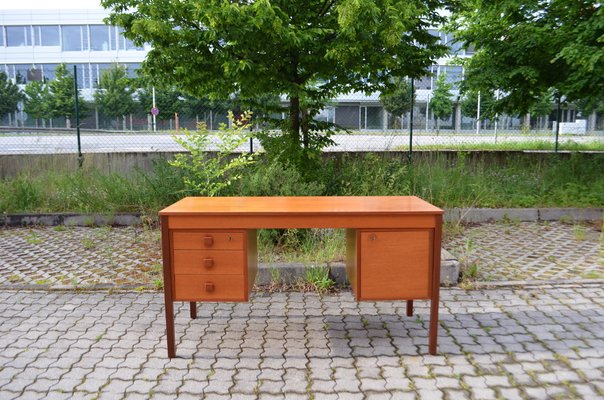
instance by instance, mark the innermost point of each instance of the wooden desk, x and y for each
(209, 247)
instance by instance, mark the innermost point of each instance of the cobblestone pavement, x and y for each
(79, 257)
(529, 251)
(541, 342)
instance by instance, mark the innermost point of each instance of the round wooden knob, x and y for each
(208, 262)
(208, 241)
(209, 287)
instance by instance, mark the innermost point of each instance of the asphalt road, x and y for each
(101, 143)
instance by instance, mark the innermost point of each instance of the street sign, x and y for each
(155, 111)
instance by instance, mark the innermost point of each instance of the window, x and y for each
(48, 71)
(2, 37)
(99, 38)
(46, 35)
(454, 75)
(18, 36)
(72, 38)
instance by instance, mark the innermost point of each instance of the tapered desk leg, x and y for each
(409, 308)
(435, 286)
(193, 310)
(168, 296)
(170, 329)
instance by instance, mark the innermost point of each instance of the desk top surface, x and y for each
(300, 205)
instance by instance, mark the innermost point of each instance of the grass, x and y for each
(458, 180)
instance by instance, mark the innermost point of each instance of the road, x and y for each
(102, 143)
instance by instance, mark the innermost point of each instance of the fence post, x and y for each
(77, 116)
(557, 123)
(411, 119)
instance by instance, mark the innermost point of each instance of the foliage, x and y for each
(371, 175)
(209, 174)
(526, 48)
(399, 100)
(62, 99)
(441, 102)
(307, 51)
(276, 179)
(37, 100)
(469, 105)
(114, 95)
(9, 95)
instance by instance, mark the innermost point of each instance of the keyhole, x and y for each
(373, 237)
(230, 238)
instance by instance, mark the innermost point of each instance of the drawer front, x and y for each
(196, 262)
(208, 240)
(209, 288)
(395, 265)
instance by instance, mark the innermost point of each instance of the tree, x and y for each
(441, 103)
(526, 48)
(306, 50)
(10, 96)
(400, 99)
(37, 101)
(114, 93)
(543, 107)
(469, 105)
(62, 92)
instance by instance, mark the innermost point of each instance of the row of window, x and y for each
(67, 37)
(88, 74)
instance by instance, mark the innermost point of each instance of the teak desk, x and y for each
(209, 247)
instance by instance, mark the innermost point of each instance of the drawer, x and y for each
(208, 240)
(395, 265)
(195, 262)
(210, 288)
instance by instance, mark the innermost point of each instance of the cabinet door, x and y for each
(395, 265)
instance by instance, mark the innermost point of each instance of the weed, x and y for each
(159, 283)
(59, 228)
(140, 288)
(43, 282)
(579, 232)
(593, 275)
(14, 278)
(318, 280)
(33, 238)
(88, 243)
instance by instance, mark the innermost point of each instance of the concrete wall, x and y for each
(125, 163)
(35, 164)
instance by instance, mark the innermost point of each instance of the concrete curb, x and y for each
(479, 215)
(467, 215)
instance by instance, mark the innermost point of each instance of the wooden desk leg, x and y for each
(170, 329)
(193, 310)
(435, 286)
(409, 308)
(168, 297)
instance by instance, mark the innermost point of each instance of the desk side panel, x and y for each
(252, 259)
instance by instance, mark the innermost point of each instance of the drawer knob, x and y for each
(208, 241)
(209, 287)
(208, 262)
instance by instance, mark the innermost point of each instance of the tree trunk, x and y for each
(294, 120)
(437, 126)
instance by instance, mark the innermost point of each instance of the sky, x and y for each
(48, 4)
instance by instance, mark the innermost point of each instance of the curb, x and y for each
(466, 215)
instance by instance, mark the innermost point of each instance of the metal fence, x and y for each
(365, 124)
